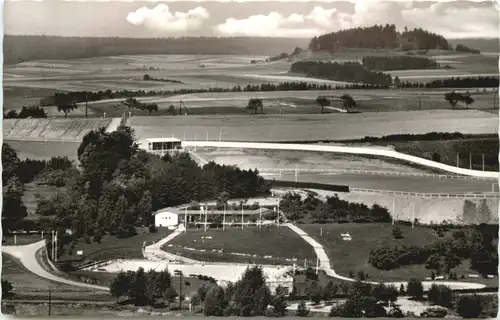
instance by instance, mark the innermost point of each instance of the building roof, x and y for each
(213, 212)
(171, 139)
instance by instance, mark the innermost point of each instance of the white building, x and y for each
(161, 145)
(166, 219)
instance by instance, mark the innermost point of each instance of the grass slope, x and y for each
(353, 255)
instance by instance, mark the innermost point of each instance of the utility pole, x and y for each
(393, 210)
(206, 214)
(55, 245)
(458, 160)
(185, 219)
(220, 138)
(260, 215)
(180, 291)
(224, 218)
(86, 106)
(470, 160)
(317, 265)
(413, 217)
(482, 156)
(278, 211)
(50, 301)
(241, 216)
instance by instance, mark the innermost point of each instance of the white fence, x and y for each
(367, 172)
(342, 149)
(491, 195)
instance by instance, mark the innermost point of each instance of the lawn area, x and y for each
(353, 255)
(112, 247)
(279, 243)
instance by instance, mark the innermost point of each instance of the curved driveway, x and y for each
(27, 255)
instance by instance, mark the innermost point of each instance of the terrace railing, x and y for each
(281, 171)
(488, 195)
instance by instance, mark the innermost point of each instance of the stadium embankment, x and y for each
(433, 210)
(48, 129)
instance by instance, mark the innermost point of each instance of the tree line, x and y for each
(19, 48)
(443, 256)
(132, 103)
(82, 96)
(348, 72)
(250, 296)
(463, 48)
(333, 209)
(26, 112)
(391, 63)
(379, 37)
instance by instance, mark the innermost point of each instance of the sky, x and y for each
(286, 18)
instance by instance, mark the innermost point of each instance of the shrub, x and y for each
(434, 312)
(302, 310)
(469, 306)
(6, 288)
(415, 289)
(396, 233)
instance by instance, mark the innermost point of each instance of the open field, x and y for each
(72, 130)
(274, 128)
(112, 247)
(25, 83)
(283, 159)
(270, 245)
(353, 255)
(395, 183)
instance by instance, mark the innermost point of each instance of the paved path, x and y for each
(27, 255)
(324, 264)
(154, 252)
(114, 124)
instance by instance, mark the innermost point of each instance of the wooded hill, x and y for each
(379, 37)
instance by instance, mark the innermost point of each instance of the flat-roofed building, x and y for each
(161, 145)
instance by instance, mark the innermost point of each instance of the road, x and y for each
(27, 255)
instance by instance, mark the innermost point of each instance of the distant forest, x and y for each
(379, 37)
(25, 48)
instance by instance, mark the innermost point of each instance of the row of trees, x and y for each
(82, 96)
(333, 209)
(389, 63)
(250, 296)
(132, 103)
(463, 48)
(443, 256)
(348, 72)
(453, 98)
(379, 37)
(147, 77)
(26, 112)
(347, 101)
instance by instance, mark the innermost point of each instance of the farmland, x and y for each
(266, 245)
(313, 127)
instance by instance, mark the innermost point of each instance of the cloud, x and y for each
(452, 21)
(161, 19)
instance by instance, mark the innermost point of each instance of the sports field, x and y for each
(265, 245)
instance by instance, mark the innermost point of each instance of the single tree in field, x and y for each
(467, 99)
(348, 102)
(397, 82)
(146, 77)
(255, 104)
(171, 110)
(66, 108)
(322, 102)
(453, 98)
(150, 107)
